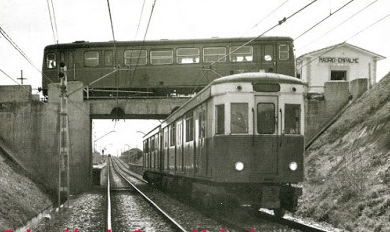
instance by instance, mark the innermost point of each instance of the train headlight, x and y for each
(293, 166)
(239, 166)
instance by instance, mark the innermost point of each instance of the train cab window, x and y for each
(136, 57)
(91, 59)
(214, 54)
(161, 57)
(220, 119)
(284, 50)
(241, 54)
(292, 120)
(108, 59)
(51, 60)
(268, 53)
(266, 118)
(187, 55)
(239, 118)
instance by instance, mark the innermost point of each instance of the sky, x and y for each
(29, 26)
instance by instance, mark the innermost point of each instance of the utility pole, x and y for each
(21, 77)
(63, 172)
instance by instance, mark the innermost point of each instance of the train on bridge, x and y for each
(239, 141)
(163, 67)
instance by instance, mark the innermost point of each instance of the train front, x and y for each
(258, 142)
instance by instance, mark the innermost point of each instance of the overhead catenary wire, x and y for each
(280, 22)
(277, 8)
(13, 79)
(338, 25)
(322, 20)
(51, 21)
(340, 44)
(21, 52)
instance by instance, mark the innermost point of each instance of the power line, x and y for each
(340, 44)
(112, 26)
(17, 48)
(278, 24)
(266, 17)
(346, 20)
(55, 21)
(13, 79)
(140, 17)
(51, 21)
(321, 21)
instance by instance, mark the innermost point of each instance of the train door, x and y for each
(266, 131)
(166, 149)
(200, 156)
(268, 58)
(179, 146)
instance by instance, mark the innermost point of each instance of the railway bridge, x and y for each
(30, 129)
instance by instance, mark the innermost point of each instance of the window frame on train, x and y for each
(284, 54)
(239, 114)
(219, 57)
(220, 119)
(88, 60)
(161, 58)
(292, 119)
(266, 126)
(183, 57)
(239, 51)
(141, 57)
(51, 63)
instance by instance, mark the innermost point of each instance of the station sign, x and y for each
(339, 60)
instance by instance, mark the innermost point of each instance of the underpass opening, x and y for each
(122, 138)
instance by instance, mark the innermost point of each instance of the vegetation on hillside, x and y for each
(348, 167)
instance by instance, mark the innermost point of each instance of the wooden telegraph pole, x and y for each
(63, 173)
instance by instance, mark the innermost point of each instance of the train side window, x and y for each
(62, 57)
(268, 53)
(108, 59)
(292, 119)
(172, 135)
(91, 59)
(161, 57)
(214, 54)
(51, 60)
(187, 55)
(71, 60)
(266, 118)
(179, 133)
(241, 54)
(166, 137)
(239, 118)
(202, 124)
(189, 127)
(220, 119)
(135, 57)
(284, 50)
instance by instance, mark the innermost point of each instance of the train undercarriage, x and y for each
(212, 195)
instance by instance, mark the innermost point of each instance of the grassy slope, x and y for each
(20, 198)
(348, 167)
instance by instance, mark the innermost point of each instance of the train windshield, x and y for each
(292, 120)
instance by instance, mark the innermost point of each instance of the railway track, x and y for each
(247, 220)
(142, 217)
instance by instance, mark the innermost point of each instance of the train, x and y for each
(238, 142)
(163, 67)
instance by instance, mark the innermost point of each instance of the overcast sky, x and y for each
(28, 24)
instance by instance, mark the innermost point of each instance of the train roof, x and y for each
(205, 93)
(87, 44)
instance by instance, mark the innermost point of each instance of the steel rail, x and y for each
(108, 196)
(161, 211)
